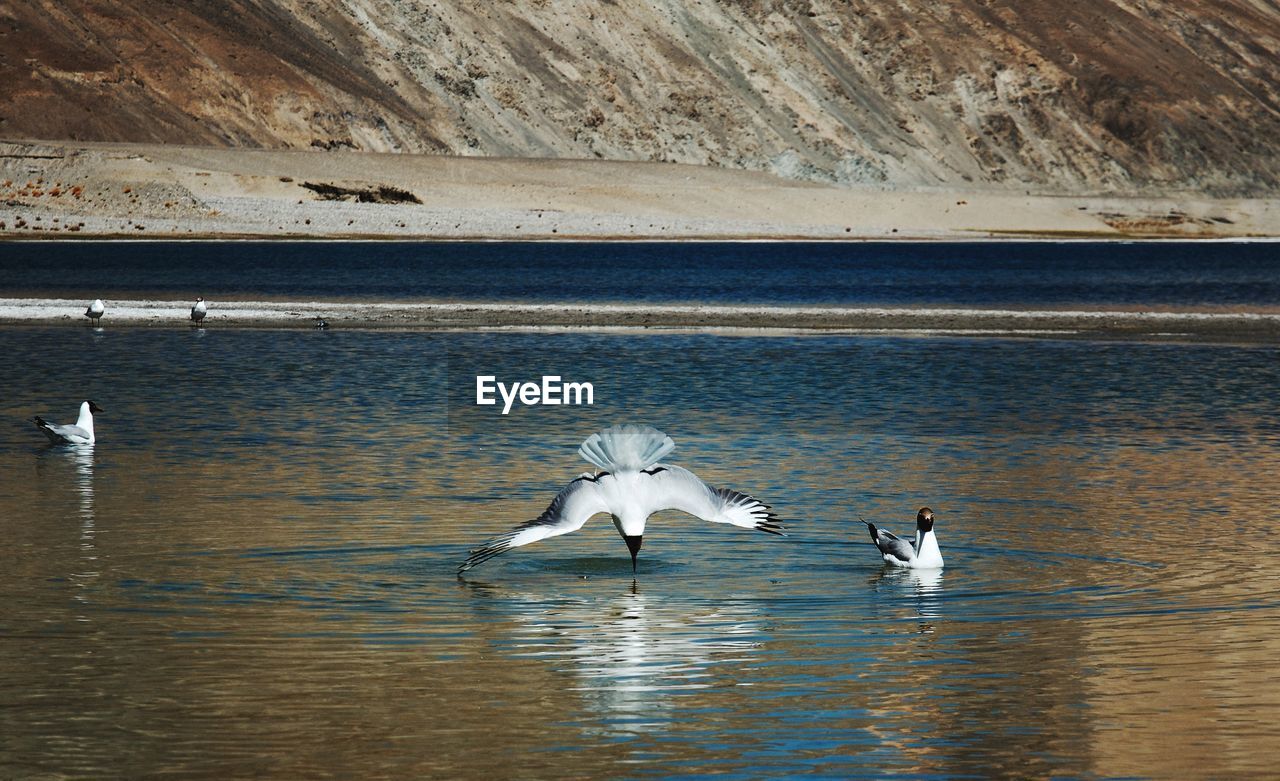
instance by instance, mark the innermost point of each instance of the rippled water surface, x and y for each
(253, 572)
(992, 274)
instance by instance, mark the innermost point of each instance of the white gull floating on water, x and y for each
(79, 434)
(925, 554)
(632, 487)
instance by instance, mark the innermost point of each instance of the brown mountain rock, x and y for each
(1084, 97)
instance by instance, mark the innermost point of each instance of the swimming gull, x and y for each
(79, 434)
(95, 311)
(900, 553)
(632, 487)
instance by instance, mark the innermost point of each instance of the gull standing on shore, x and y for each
(199, 311)
(79, 434)
(632, 487)
(925, 554)
(95, 311)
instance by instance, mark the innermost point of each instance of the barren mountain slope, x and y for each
(1127, 95)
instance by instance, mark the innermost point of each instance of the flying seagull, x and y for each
(900, 553)
(79, 434)
(95, 311)
(632, 487)
(199, 311)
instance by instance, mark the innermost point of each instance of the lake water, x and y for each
(1013, 274)
(253, 572)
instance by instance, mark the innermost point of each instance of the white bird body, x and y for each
(95, 310)
(199, 310)
(79, 434)
(924, 554)
(633, 487)
(626, 492)
(928, 554)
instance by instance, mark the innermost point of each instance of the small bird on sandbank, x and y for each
(81, 433)
(199, 311)
(95, 311)
(925, 554)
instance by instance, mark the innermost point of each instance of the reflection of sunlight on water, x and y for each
(631, 652)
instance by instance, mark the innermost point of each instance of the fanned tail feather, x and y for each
(626, 448)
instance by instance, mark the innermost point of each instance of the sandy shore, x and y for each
(1231, 326)
(158, 191)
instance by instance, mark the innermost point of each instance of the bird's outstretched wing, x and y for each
(675, 488)
(571, 508)
(891, 544)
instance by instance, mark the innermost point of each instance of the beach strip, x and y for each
(57, 190)
(1234, 326)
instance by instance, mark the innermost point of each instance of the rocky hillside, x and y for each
(1085, 96)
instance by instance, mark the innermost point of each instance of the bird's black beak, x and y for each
(633, 544)
(94, 407)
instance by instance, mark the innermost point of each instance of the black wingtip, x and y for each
(772, 524)
(479, 556)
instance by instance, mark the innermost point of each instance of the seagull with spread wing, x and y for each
(631, 487)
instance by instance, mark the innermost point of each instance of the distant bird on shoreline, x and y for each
(632, 487)
(321, 324)
(925, 554)
(199, 311)
(95, 311)
(79, 434)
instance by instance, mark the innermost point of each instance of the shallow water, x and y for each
(253, 572)
(1000, 274)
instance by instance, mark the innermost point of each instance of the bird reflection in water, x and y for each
(632, 652)
(75, 463)
(921, 587)
(82, 457)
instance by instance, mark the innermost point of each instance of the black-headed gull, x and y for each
(900, 553)
(95, 311)
(199, 311)
(632, 487)
(79, 434)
